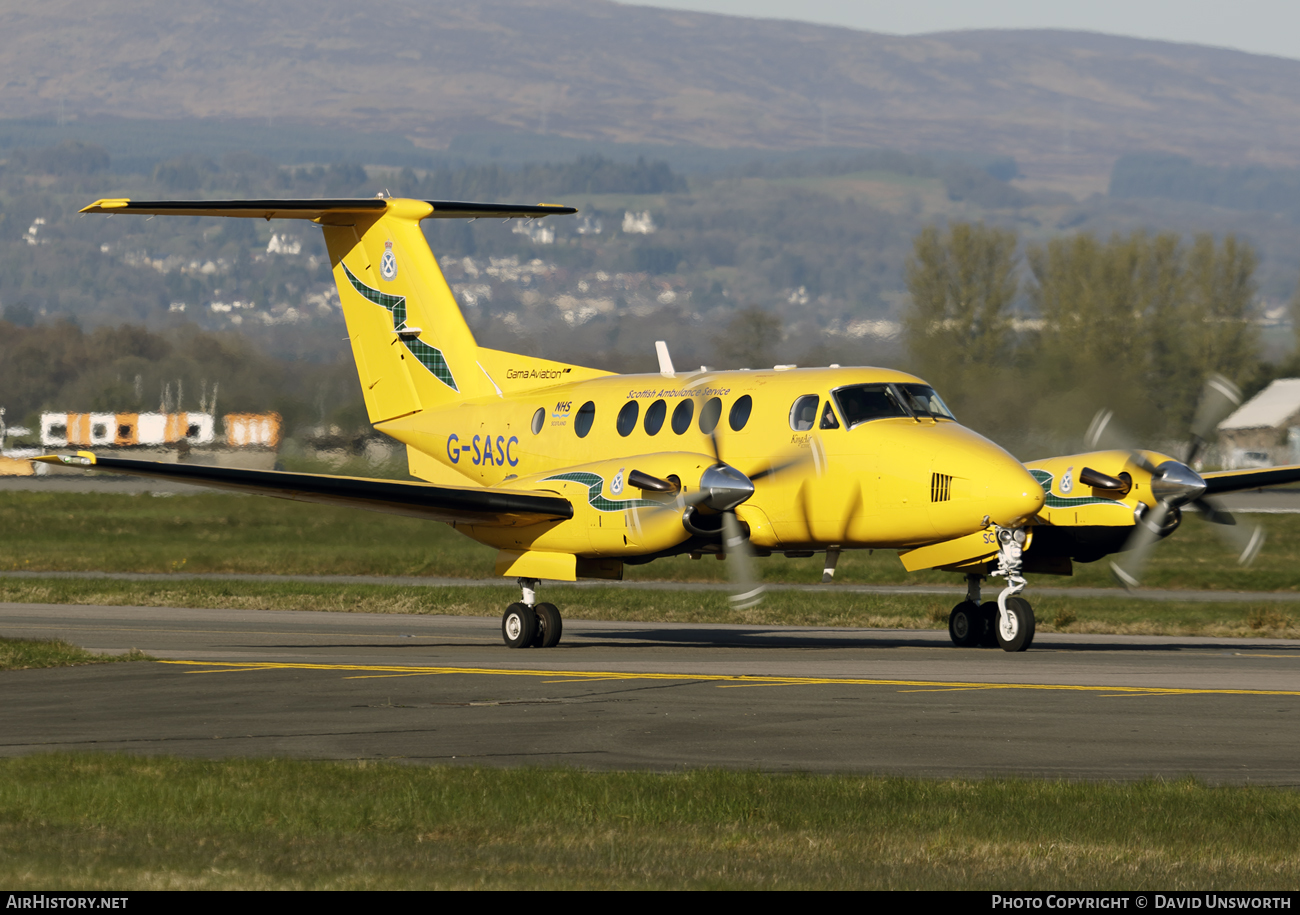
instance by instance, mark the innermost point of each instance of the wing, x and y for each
(1222, 481)
(489, 507)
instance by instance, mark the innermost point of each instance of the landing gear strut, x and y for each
(1014, 623)
(528, 624)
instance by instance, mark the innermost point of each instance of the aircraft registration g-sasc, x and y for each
(573, 472)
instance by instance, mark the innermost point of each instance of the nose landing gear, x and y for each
(1009, 623)
(528, 624)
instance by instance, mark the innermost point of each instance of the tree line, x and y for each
(1253, 187)
(60, 366)
(1042, 339)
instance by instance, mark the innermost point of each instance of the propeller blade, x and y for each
(1097, 428)
(855, 506)
(804, 514)
(816, 455)
(1249, 546)
(1245, 541)
(1138, 546)
(774, 469)
(740, 564)
(1105, 434)
(1219, 398)
(1211, 511)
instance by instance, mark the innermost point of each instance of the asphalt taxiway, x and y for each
(426, 689)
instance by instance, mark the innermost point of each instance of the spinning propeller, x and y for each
(722, 488)
(1174, 485)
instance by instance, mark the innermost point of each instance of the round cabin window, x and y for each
(627, 418)
(654, 417)
(538, 418)
(586, 416)
(682, 416)
(710, 414)
(739, 414)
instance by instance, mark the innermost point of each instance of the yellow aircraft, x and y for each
(572, 472)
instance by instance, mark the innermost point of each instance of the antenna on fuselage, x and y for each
(665, 360)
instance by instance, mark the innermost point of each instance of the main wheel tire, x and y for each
(519, 626)
(966, 625)
(549, 626)
(1017, 633)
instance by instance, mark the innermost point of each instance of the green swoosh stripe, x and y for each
(428, 356)
(595, 486)
(1045, 480)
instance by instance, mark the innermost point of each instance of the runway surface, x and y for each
(658, 696)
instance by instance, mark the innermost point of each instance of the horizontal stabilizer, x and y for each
(321, 208)
(489, 507)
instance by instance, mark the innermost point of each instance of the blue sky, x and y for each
(1259, 26)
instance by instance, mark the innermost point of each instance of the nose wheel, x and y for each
(973, 624)
(527, 624)
(1015, 627)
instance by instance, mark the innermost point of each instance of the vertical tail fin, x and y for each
(412, 345)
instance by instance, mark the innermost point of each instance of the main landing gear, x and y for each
(528, 624)
(1009, 623)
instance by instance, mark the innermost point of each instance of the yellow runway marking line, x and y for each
(738, 679)
(780, 683)
(431, 673)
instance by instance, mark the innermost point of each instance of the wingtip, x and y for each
(80, 459)
(106, 205)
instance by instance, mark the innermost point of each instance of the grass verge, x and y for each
(221, 532)
(780, 608)
(116, 822)
(28, 654)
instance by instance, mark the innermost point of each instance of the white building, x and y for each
(1265, 430)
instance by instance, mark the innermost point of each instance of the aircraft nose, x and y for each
(991, 486)
(1014, 496)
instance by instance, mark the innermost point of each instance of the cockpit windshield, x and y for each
(860, 403)
(924, 402)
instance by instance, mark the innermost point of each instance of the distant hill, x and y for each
(1064, 105)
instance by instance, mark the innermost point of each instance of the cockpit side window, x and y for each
(804, 413)
(828, 418)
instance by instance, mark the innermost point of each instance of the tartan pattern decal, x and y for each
(1045, 480)
(429, 357)
(595, 484)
